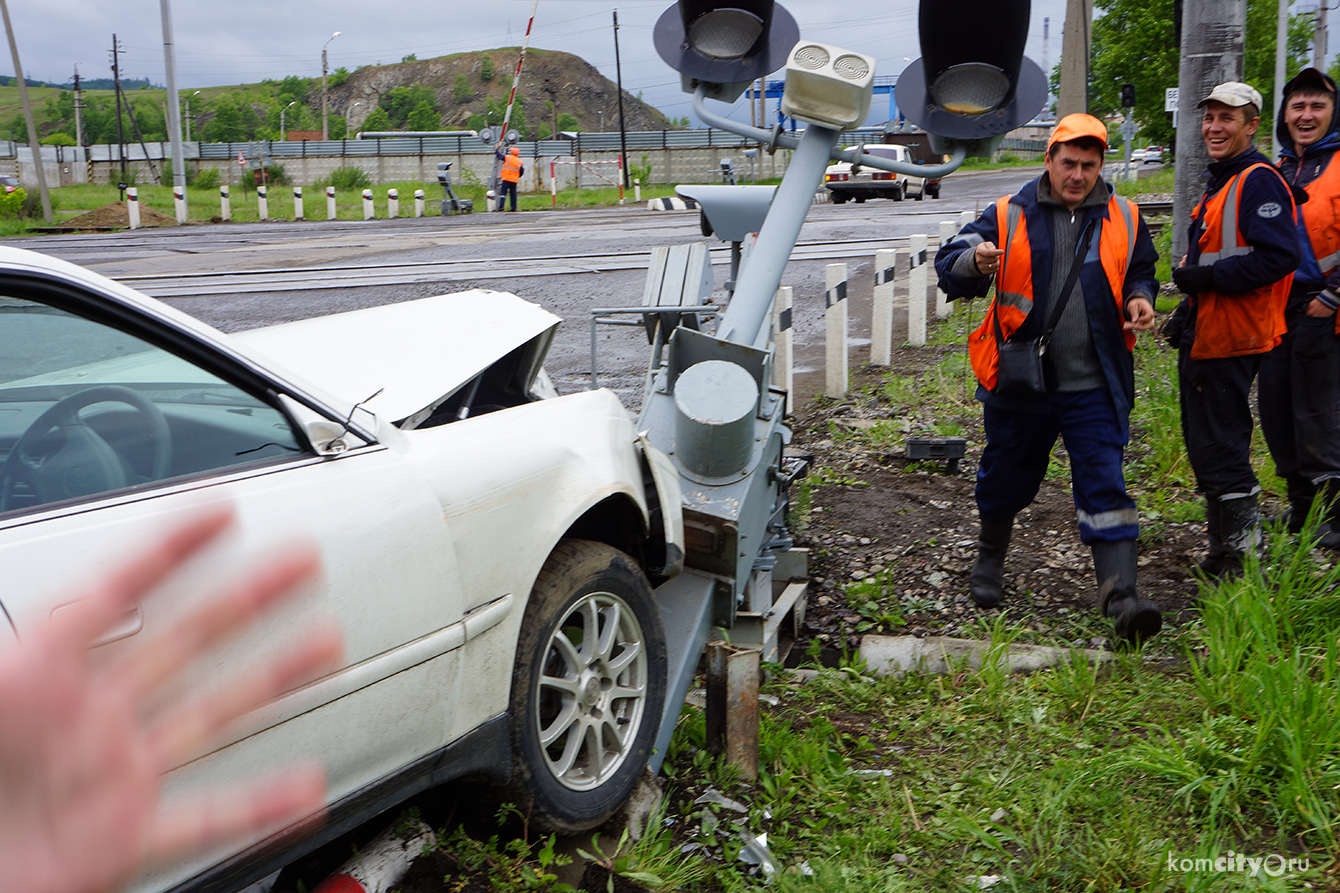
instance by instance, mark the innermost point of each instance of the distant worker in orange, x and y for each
(512, 169)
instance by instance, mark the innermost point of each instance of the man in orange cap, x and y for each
(510, 174)
(1073, 268)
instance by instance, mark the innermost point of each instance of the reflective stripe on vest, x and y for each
(1229, 236)
(1321, 217)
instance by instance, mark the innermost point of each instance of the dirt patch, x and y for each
(909, 530)
(117, 216)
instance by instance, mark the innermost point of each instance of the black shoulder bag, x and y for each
(1019, 369)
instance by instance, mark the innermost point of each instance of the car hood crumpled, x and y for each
(413, 354)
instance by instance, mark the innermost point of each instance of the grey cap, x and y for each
(1233, 93)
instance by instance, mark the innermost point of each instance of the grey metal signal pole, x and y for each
(1213, 44)
(28, 118)
(173, 106)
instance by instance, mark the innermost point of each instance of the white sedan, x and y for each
(489, 547)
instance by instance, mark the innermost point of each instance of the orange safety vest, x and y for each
(1014, 281)
(1240, 323)
(511, 168)
(1321, 219)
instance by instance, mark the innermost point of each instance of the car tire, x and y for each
(897, 193)
(838, 199)
(922, 194)
(564, 682)
(859, 199)
(935, 192)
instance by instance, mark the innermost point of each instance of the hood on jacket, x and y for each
(1332, 138)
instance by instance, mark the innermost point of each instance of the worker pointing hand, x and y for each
(987, 258)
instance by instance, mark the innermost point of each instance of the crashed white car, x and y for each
(489, 547)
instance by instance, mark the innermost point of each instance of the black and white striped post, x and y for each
(392, 204)
(835, 330)
(263, 202)
(916, 292)
(297, 203)
(133, 207)
(783, 367)
(881, 309)
(330, 202)
(368, 210)
(179, 202)
(225, 204)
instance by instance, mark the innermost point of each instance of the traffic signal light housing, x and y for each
(726, 45)
(972, 84)
(1127, 95)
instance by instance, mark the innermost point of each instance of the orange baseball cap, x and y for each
(1076, 126)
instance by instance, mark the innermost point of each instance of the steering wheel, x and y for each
(61, 457)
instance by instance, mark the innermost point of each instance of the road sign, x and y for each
(1170, 99)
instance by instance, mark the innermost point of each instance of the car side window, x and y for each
(88, 409)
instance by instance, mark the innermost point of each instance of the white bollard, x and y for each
(179, 202)
(133, 206)
(783, 369)
(330, 202)
(916, 293)
(392, 204)
(263, 202)
(418, 203)
(942, 306)
(835, 330)
(297, 203)
(368, 211)
(964, 218)
(637, 192)
(881, 310)
(225, 204)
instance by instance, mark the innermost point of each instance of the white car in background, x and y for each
(860, 182)
(489, 548)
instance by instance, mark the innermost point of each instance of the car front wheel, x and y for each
(588, 687)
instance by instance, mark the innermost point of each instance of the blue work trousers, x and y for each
(1019, 446)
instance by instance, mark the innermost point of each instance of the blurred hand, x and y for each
(81, 754)
(1194, 280)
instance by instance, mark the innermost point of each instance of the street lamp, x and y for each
(283, 132)
(325, 104)
(188, 115)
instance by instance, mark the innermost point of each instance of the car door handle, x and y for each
(128, 624)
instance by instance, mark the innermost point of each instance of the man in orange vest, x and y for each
(1242, 249)
(1072, 262)
(510, 174)
(1298, 393)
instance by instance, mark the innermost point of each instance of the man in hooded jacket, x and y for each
(1298, 391)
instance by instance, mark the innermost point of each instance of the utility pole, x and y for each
(1319, 39)
(28, 116)
(618, 85)
(325, 101)
(174, 112)
(1213, 44)
(1281, 50)
(78, 111)
(120, 130)
(1073, 95)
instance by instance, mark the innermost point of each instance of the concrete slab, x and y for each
(884, 655)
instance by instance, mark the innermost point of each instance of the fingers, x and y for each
(156, 659)
(186, 729)
(986, 256)
(298, 794)
(83, 622)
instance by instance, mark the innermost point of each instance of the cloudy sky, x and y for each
(244, 41)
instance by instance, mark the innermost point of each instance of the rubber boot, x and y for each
(1212, 563)
(1241, 532)
(1301, 493)
(986, 585)
(1328, 531)
(1135, 619)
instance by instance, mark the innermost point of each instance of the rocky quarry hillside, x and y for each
(464, 85)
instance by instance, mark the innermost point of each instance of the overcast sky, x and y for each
(244, 41)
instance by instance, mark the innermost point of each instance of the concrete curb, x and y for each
(884, 655)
